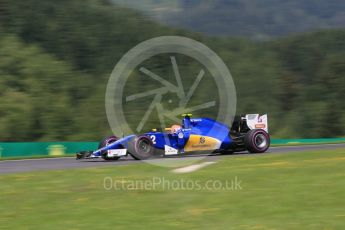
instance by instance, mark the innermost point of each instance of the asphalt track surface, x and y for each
(28, 165)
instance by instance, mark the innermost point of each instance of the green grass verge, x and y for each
(310, 143)
(35, 157)
(302, 190)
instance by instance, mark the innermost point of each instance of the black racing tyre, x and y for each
(141, 148)
(105, 142)
(257, 141)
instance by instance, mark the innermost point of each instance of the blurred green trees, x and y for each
(56, 58)
(38, 93)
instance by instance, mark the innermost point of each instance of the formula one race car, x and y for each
(248, 132)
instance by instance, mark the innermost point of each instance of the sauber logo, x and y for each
(201, 144)
(198, 142)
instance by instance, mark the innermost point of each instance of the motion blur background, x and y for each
(287, 59)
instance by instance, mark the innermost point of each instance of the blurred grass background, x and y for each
(56, 58)
(301, 190)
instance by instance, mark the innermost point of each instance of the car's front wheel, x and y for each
(141, 148)
(107, 141)
(257, 141)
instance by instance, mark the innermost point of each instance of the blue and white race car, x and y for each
(194, 135)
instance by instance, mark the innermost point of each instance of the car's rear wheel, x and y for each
(257, 141)
(107, 141)
(141, 148)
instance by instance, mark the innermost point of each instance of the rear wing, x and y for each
(244, 123)
(255, 121)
